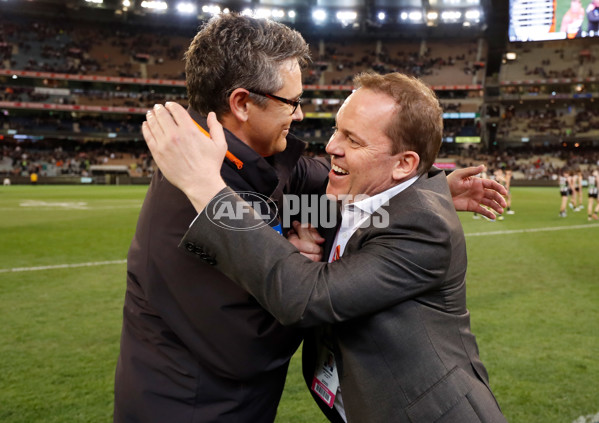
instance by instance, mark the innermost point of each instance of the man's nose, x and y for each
(333, 145)
(298, 115)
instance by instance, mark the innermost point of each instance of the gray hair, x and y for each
(232, 51)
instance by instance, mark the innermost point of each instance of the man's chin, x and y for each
(276, 148)
(280, 146)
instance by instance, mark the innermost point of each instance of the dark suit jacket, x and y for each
(396, 303)
(194, 346)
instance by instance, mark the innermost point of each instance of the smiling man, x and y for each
(194, 346)
(391, 337)
(263, 120)
(361, 159)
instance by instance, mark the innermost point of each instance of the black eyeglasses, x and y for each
(293, 103)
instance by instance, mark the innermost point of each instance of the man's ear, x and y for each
(406, 166)
(238, 102)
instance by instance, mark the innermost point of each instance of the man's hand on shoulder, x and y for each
(187, 158)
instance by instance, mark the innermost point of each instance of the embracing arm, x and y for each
(388, 267)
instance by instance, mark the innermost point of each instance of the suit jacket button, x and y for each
(190, 247)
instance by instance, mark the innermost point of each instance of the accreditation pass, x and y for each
(326, 378)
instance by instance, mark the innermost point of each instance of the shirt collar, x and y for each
(371, 204)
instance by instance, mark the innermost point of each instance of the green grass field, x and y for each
(533, 291)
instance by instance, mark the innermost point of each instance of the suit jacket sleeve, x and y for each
(380, 267)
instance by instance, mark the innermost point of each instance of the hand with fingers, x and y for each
(307, 240)
(188, 158)
(475, 194)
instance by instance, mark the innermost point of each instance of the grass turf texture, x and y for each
(532, 292)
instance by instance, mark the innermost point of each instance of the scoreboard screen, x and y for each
(541, 20)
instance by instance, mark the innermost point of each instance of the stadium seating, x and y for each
(535, 99)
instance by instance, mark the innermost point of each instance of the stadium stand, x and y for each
(555, 59)
(75, 79)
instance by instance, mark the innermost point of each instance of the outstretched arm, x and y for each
(381, 269)
(471, 193)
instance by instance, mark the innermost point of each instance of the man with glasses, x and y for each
(194, 346)
(293, 103)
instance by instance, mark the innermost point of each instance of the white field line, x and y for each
(102, 263)
(63, 266)
(38, 205)
(521, 231)
(37, 210)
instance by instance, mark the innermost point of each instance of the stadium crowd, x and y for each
(70, 47)
(45, 160)
(80, 48)
(42, 157)
(142, 52)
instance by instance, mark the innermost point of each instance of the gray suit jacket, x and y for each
(396, 303)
